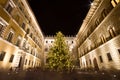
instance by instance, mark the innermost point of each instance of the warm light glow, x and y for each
(84, 61)
(113, 3)
(91, 4)
(117, 1)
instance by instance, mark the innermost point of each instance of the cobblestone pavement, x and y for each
(50, 75)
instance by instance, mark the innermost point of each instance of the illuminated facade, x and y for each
(98, 40)
(50, 40)
(21, 40)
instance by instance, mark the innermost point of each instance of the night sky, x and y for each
(60, 15)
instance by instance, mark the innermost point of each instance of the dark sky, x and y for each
(60, 15)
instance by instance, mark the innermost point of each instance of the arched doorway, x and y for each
(95, 64)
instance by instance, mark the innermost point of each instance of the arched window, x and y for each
(111, 31)
(24, 44)
(9, 7)
(104, 13)
(102, 37)
(10, 36)
(18, 41)
(2, 26)
(114, 2)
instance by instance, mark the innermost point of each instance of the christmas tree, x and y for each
(58, 58)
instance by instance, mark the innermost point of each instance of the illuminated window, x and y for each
(112, 32)
(10, 36)
(109, 57)
(2, 55)
(101, 60)
(103, 38)
(117, 1)
(11, 58)
(114, 2)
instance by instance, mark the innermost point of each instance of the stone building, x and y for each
(21, 39)
(98, 40)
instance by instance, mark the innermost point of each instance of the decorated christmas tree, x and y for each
(58, 58)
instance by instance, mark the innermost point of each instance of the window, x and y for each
(31, 35)
(114, 2)
(32, 63)
(32, 51)
(111, 32)
(18, 41)
(11, 58)
(9, 8)
(90, 62)
(104, 13)
(2, 55)
(28, 31)
(46, 49)
(24, 44)
(10, 36)
(17, 18)
(10, 5)
(103, 38)
(1, 29)
(23, 25)
(101, 60)
(67, 42)
(109, 57)
(119, 51)
(3, 25)
(72, 42)
(34, 38)
(29, 62)
(25, 61)
(97, 22)
(51, 41)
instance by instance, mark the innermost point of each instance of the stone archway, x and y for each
(95, 64)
